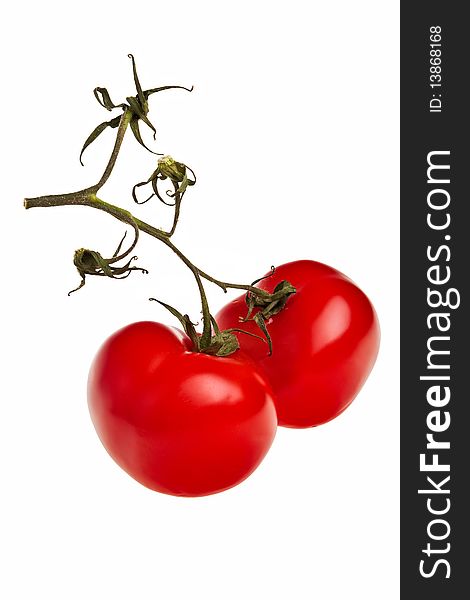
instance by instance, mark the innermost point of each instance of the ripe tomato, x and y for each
(179, 422)
(325, 342)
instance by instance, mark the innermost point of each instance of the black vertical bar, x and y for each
(422, 247)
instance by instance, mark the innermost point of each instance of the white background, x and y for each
(293, 132)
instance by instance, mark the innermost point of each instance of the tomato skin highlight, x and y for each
(325, 342)
(179, 422)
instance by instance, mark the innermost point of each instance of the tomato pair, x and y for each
(191, 424)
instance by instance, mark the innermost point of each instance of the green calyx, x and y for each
(180, 175)
(271, 304)
(172, 169)
(223, 343)
(135, 110)
(90, 262)
(220, 343)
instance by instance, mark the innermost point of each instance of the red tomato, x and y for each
(177, 421)
(325, 342)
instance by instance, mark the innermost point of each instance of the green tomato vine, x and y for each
(181, 178)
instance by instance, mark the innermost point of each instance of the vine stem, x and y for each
(123, 125)
(87, 198)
